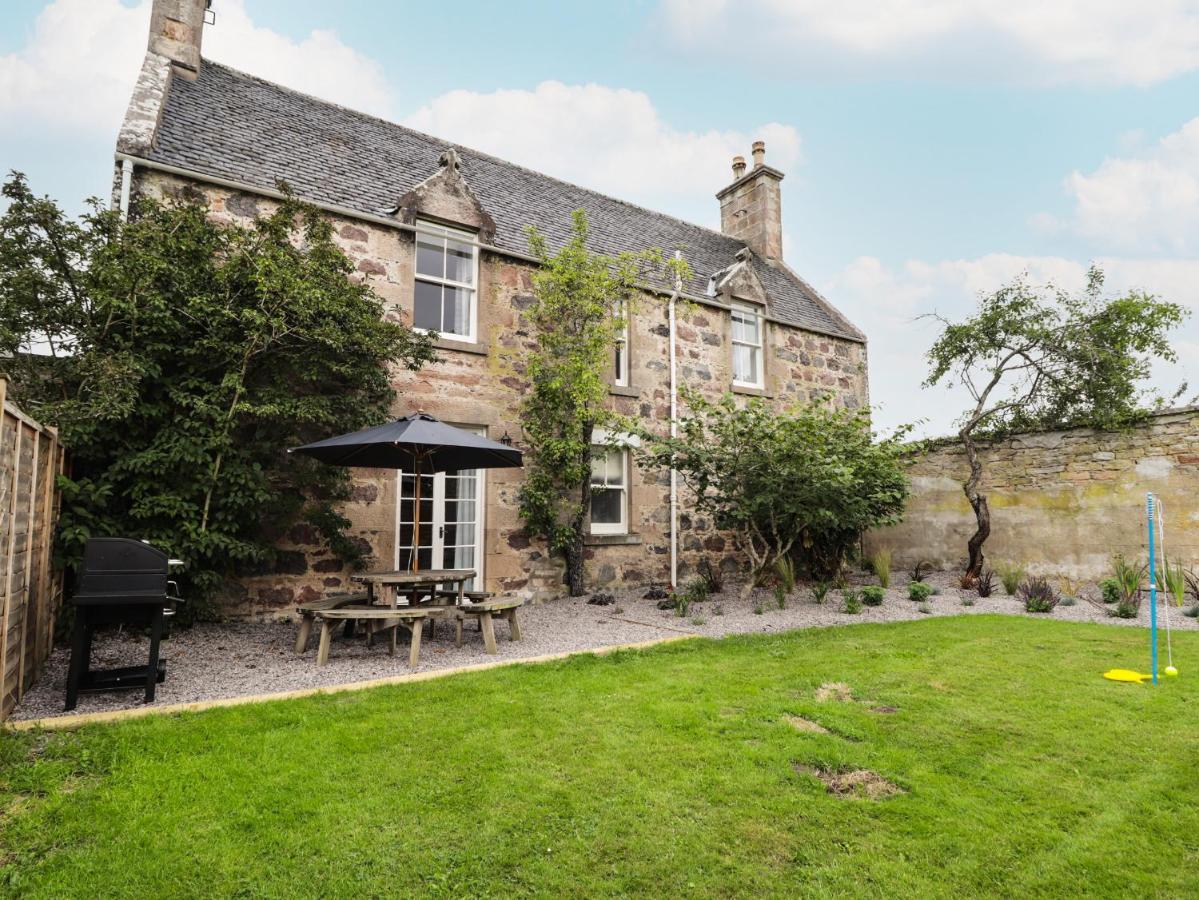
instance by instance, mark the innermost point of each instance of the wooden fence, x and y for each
(30, 459)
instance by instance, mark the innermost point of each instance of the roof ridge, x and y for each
(473, 151)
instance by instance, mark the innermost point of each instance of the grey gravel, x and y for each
(211, 661)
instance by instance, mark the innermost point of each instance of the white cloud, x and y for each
(77, 69)
(605, 138)
(1090, 41)
(887, 302)
(1144, 202)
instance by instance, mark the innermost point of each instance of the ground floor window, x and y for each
(609, 490)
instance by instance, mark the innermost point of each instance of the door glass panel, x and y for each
(450, 526)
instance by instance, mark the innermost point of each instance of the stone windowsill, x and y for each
(623, 390)
(461, 346)
(611, 540)
(752, 391)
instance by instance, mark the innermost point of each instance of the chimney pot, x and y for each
(738, 167)
(759, 152)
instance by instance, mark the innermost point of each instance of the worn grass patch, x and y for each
(1023, 773)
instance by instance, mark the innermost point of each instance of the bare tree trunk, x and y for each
(978, 502)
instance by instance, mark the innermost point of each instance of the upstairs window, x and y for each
(747, 345)
(620, 373)
(447, 273)
(609, 490)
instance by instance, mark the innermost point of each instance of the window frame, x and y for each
(427, 228)
(620, 375)
(759, 349)
(610, 528)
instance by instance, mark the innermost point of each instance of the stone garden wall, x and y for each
(481, 384)
(1061, 502)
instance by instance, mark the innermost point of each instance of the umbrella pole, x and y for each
(416, 517)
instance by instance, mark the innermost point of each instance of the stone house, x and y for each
(438, 229)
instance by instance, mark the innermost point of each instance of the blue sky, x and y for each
(931, 153)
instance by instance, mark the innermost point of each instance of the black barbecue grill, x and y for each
(122, 582)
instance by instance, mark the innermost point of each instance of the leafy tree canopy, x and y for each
(180, 359)
(581, 303)
(806, 482)
(1043, 358)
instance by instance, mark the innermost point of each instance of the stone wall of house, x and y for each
(482, 384)
(1061, 502)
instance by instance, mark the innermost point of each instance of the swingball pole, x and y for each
(1152, 592)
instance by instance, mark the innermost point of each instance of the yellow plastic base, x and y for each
(1127, 675)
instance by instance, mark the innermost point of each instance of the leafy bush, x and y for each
(184, 357)
(920, 570)
(1191, 612)
(1172, 580)
(696, 591)
(1010, 575)
(872, 595)
(924, 608)
(807, 482)
(1109, 588)
(1068, 600)
(1129, 576)
(1038, 595)
(852, 602)
(986, 583)
(820, 590)
(880, 565)
(919, 591)
(780, 595)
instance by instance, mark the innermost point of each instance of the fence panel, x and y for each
(30, 460)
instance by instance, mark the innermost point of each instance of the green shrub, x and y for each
(1068, 600)
(758, 607)
(1010, 575)
(697, 589)
(820, 590)
(1038, 595)
(919, 591)
(1191, 612)
(853, 602)
(1129, 576)
(880, 565)
(967, 600)
(1127, 607)
(1110, 589)
(780, 595)
(924, 608)
(872, 595)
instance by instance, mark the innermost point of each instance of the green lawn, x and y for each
(664, 772)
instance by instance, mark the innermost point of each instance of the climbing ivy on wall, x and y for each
(181, 358)
(581, 300)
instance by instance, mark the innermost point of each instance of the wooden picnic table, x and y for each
(386, 587)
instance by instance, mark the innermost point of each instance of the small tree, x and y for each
(1042, 358)
(582, 299)
(180, 359)
(806, 483)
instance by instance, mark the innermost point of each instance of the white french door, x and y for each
(451, 521)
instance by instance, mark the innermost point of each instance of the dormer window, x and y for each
(747, 345)
(447, 273)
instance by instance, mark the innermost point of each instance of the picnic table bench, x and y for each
(308, 612)
(504, 608)
(382, 618)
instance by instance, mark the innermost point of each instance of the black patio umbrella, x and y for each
(418, 443)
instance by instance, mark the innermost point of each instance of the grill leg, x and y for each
(80, 646)
(152, 668)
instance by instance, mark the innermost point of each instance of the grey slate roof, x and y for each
(234, 126)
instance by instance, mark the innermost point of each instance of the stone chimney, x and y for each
(176, 28)
(751, 208)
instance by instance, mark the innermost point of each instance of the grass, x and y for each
(675, 770)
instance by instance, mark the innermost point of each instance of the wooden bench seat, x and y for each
(382, 618)
(504, 608)
(308, 611)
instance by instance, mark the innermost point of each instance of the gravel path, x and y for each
(213, 661)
